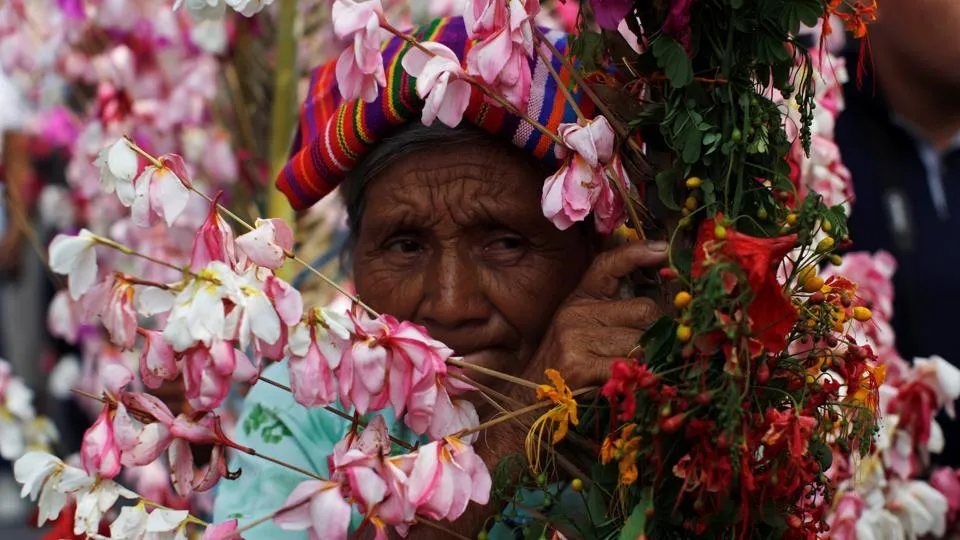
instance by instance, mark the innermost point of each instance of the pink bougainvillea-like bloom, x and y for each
(99, 451)
(317, 506)
(268, 243)
(583, 182)
(157, 360)
(314, 352)
(162, 191)
(359, 69)
(208, 372)
(439, 83)
(843, 521)
(501, 59)
(484, 17)
(214, 241)
(446, 476)
(219, 531)
(113, 301)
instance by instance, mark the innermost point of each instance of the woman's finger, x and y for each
(613, 342)
(602, 279)
(632, 313)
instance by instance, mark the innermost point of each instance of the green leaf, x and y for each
(596, 506)
(692, 143)
(736, 4)
(666, 188)
(637, 522)
(673, 59)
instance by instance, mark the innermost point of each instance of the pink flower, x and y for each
(583, 181)
(113, 301)
(484, 17)
(677, 23)
(359, 68)
(157, 360)
(843, 520)
(947, 482)
(219, 531)
(439, 82)
(214, 241)
(141, 444)
(208, 372)
(446, 476)
(501, 59)
(268, 243)
(318, 506)
(943, 377)
(609, 13)
(314, 354)
(99, 452)
(161, 191)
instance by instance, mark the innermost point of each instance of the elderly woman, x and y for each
(447, 232)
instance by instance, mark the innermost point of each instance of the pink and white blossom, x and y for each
(359, 70)
(268, 244)
(440, 82)
(99, 451)
(75, 257)
(317, 506)
(446, 476)
(118, 167)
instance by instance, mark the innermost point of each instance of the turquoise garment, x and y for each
(276, 426)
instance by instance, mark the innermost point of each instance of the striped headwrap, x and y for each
(334, 135)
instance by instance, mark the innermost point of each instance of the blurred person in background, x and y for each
(900, 137)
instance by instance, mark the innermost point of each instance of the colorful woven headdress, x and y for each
(334, 134)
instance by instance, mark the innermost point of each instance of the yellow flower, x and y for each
(557, 419)
(565, 413)
(624, 450)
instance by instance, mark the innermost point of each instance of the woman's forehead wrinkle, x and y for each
(465, 192)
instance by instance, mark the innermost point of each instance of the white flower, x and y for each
(879, 524)
(64, 376)
(198, 314)
(248, 8)
(210, 36)
(118, 167)
(921, 509)
(203, 9)
(134, 523)
(74, 257)
(44, 475)
(943, 377)
(12, 443)
(93, 501)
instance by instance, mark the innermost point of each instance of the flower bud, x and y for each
(862, 314)
(693, 182)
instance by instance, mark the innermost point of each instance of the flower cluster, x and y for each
(436, 481)
(21, 429)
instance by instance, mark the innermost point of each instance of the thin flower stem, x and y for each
(618, 182)
(490, 392)
(437, 526)
(624, 133)
(477, 83)
(264, 519)
(130, 251)
(338, 412)
(243, 223)
(190, 517)
(138, 281)
(491, 372)
(560, 83)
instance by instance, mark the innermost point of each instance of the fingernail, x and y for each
(658, 245)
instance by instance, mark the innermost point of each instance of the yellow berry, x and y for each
(827, 226)
(720, 232)
(862, 314)
(813, 284)
(693, 182)
(791, 219)
(691, 203)
(684, 333)
(684, 212)
(762, 213)
(682, 299)
(577, 485)
(810, 379)
(685, 222)
(825, 245)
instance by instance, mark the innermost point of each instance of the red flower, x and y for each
(621, 389)
(771, 314)
(789, 428)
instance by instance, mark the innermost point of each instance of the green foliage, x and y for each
(272, 429)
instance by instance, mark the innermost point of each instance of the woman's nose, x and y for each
(453, 296)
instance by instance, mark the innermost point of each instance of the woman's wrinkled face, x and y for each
(454, 239)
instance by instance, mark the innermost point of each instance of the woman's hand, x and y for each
(593, 326)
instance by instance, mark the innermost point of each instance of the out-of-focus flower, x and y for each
(75, 257)
(268, 243)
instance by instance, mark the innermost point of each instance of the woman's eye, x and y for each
(506, 244)
(406, 246)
